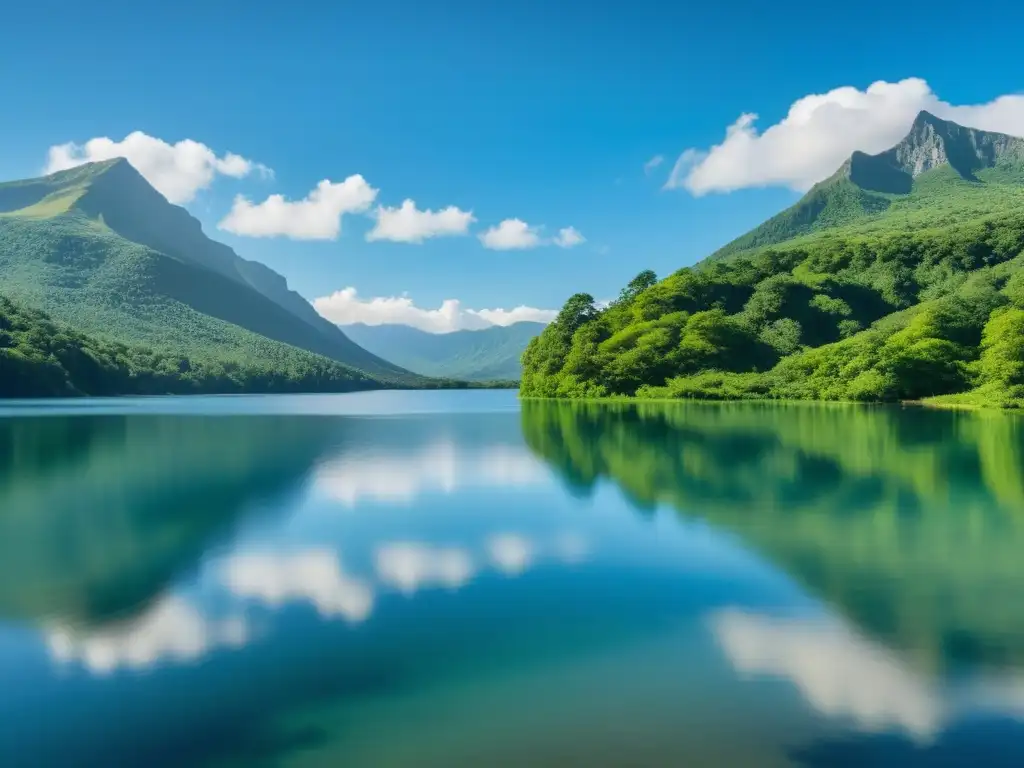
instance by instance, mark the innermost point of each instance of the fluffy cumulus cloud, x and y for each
(345, 307)
(821, 130)
(316, 217)
(511, 235)
(178, 170)
(517, 235)
(408, 224)
(569, 237)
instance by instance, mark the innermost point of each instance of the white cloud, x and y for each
(653, 163)
(510, 235)
(519, 314)
(313, 576)
(171, 629)
(821, 130)
(178, 171)
(410, 566)
(569, 237)
(345, 307)
(510, 553)
(407, 224)
(315, 217)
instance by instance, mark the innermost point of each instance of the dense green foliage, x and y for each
(98, 248)
(481, 355)
(899, 517)
(41, 358)
(920, 300)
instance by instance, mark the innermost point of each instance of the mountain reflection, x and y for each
(910, 522)
(98, 515)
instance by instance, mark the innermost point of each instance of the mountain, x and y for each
(900, 277)
(936, 159)
(490, 353)
(99, 248)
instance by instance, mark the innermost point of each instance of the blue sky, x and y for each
(536, 111)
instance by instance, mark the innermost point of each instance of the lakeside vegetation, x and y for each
(920, 299)
(40, 357)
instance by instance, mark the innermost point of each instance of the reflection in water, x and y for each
(900, 518)
(410, 566)
(436, 462)
(172, 629)
(838, 672)
(510, 553)
(99, 515)
(834, 586)
(314, 576)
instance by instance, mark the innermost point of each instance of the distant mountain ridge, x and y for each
(477, 355)
(867, 186)
(97, 246)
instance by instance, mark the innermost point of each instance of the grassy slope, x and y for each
(939, 198)
(100, 249)
(491, 353)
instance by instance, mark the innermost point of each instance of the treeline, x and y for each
(42, 358)
(879, 317)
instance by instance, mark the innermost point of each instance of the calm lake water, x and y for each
(450, 579)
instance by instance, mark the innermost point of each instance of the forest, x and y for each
(40, 357)
(43, 358)
(886, 313)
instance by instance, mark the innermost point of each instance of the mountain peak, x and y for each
(931, 143)
(924, 117)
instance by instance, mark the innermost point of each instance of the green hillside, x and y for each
(852, 294)
(97, 247)
(487, 354)
(939, 170)
(42, 358)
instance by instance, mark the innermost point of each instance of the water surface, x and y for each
(445, 578)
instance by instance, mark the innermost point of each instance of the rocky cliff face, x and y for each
(931, 143)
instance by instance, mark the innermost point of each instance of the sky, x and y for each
(454, 164)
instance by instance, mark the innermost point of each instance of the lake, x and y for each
(450, 579)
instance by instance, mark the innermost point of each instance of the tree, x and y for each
(637, 285)
(578, 310)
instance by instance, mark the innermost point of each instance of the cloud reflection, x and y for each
(410, 566)
(511, 553)
(313, 576)
(838, 672)
(438, 467)
(173, 629)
